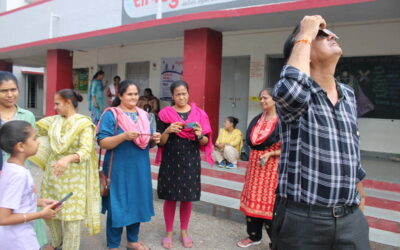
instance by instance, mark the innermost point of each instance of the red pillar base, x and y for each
(202, 70)
(58, 75)
(6, 66)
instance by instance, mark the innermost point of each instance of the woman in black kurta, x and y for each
(185, 129)
(179, 175)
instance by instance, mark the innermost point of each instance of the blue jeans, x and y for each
(114, 233)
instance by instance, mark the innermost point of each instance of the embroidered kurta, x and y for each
(61, 137)
(258, 195)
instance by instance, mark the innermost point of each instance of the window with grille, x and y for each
(32, 86)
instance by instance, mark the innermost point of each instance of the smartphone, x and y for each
(191, 125)
(60, 202)
(262, 161)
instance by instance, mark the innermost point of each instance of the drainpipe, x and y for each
(159, 9)
(52, 18)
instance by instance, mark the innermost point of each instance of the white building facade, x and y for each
(133, 39)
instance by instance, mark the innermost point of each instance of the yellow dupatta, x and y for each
(51, 142)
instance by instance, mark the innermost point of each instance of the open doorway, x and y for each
(235, 90)
(34, 94)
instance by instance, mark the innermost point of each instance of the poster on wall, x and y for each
(171, 70)
(80, 79)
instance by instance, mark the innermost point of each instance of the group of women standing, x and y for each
(67, 155)
(125, 131)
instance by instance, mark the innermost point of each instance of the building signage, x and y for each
(140, 10)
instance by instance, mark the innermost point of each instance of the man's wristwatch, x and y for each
(199, 137)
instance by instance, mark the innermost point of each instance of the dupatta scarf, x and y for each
(142, 127)
(169, 115)
(262, 134)
(55, 143)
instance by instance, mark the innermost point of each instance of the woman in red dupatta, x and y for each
(258, 195)
(185, 130)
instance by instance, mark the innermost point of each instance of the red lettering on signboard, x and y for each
(140, 3)
(173, 4)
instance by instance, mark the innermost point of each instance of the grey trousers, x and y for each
(298, 229)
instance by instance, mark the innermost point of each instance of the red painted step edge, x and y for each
(218, 174)
(385, 225)
(381, 185)
(382, 203)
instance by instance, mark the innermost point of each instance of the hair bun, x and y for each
(78, 96)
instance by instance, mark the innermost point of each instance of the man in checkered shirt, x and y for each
(320, 195)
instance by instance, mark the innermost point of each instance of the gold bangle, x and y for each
(25, 218)
(306, 41)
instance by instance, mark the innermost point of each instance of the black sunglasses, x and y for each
(327, 33)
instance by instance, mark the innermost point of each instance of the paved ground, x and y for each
(207, 231)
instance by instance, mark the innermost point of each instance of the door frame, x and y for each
(267, 79)
(246, 100)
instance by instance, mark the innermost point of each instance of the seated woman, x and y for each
(229, 144)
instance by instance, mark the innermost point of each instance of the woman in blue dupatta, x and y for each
(95, 96)
(125, 131)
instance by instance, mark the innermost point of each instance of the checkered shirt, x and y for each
(320, 159)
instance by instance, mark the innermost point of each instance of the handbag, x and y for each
(105, 180)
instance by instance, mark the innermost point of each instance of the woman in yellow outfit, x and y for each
(68, 157)
(229, 144)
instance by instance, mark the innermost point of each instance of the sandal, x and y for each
(167, 243)
(140, 247)
(246, 242)
(187, 242)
